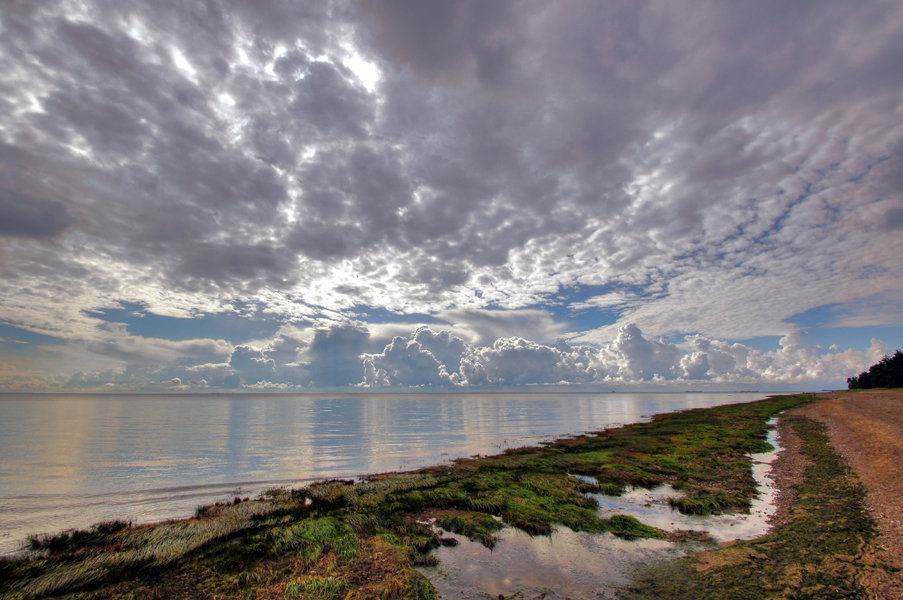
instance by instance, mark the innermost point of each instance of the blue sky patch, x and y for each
(18, 341)
(13, 334)
(560, 305)
(231, 327)
(858, 338)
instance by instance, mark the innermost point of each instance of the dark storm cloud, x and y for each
(352, 201)
(324, 99)
(139, 120)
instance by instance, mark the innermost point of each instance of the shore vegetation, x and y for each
(364, 539)
(823, 552)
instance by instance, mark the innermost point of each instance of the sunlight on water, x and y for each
(71, 461)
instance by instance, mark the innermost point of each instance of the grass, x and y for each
(363, 540)
(315, 587)
(819, 554)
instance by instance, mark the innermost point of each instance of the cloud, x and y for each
(513, 361)
(253, 366)
(334, 354)
(639, 359)
(717, 360)
(25, 216)
(461, 39)
(715, 172)
(113, 340)
(484, 326)
(330, 355)
(426, 358)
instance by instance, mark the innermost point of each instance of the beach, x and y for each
(369, 538)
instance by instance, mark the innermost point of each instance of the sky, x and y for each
(448, 196)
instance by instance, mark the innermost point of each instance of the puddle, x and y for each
(583, 565)
(592, 566)
(651, 506)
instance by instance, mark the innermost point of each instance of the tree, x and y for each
(886, 373)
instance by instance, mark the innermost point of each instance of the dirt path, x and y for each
(866, 428)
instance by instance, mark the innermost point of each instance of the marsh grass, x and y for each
(818, 554)
(365, 538)
(315, 587)
(99, 534)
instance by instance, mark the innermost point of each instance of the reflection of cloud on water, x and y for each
(61, 450)
(590, 566)
(651, 506)
(582, 564)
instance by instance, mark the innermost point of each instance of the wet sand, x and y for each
(866, 428)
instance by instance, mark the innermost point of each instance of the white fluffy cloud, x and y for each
(514, 361)
(338, 354)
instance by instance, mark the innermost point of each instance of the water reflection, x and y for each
(73, 460)
(566, 564)
(651, 506)
(589, 566)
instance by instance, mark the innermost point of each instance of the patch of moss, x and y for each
(477, 526)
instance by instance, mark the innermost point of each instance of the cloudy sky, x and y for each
(448, 195)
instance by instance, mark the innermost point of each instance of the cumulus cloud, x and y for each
(252, 365)
(516, 361)
(426, 358)
(338, 354)
(639, 359)
(334, 354)
(717, 360)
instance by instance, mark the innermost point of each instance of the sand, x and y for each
(866, 428)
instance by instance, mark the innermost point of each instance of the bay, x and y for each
(74, 460)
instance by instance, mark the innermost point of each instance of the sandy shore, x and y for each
(866, 428)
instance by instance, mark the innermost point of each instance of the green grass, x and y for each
(364, 539)
(315, 587)
(477, 526)
(817, 555)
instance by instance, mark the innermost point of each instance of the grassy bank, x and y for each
(339, 539)
(821, 553)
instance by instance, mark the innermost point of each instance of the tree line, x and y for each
(886, 373)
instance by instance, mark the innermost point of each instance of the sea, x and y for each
(69, 461)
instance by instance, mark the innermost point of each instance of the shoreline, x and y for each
(827, 540)
(362, 540)
(294, 440)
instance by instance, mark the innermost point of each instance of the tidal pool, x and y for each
(652, 508)
(565, 564)
(585, 566)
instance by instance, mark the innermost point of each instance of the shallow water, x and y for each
(565, 564)
(590, 566)
(651, 506)
(73, 460)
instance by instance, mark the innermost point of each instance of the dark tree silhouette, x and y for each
(886, 373)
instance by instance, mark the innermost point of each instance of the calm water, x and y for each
(71, 461)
